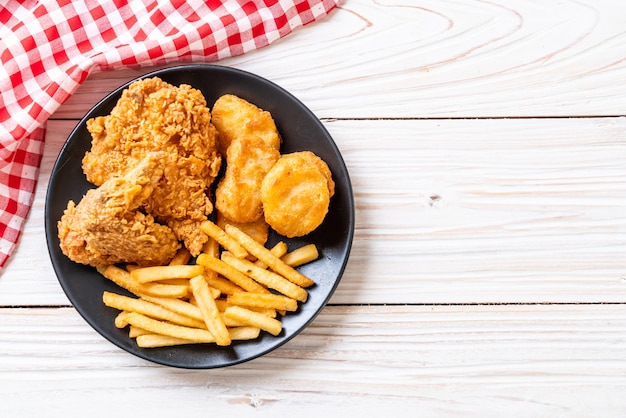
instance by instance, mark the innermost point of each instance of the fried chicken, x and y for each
(108, 227)
(152, 115)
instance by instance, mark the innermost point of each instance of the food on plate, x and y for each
(225, 240)
(235, 117)
(208, 308)
(107, 225)
(296, 194)
(301, 255)
(238, 194)
(158, 273)
(265, 255)
(152, 115)
(146, 225)
(255, 319)
(203, 313)
(250, 141)
(259, 229)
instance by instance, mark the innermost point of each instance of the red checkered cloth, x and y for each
(49, 47)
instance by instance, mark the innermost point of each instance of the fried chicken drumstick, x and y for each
(107, 226)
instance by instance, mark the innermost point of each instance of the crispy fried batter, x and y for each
(152, 115)
(235, 117)
(238, 194)
(107, 226)
(296, 194)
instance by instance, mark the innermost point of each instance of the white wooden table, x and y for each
(486, 144)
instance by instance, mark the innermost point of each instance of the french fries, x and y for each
(158, 273)
(268, 258)
(218, 298)
(270, 300)
(209, 311)
(223, 238)
(234, 275)
(301, 255)
(255, 319)
(267, 278)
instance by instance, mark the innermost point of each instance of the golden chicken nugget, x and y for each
(295, 195)
(238, 194)
(234, 117)
(314, 159)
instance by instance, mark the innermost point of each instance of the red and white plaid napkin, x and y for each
(49, 47)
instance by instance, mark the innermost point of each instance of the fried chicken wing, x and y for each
(152, 115)
(107, 225)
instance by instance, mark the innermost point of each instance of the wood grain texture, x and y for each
(466, 211)
(486, 143)
(432, 58)
(438, 360)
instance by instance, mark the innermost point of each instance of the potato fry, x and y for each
(123, 279)
(181, 258)
(223, 304)
(211, 247)
(157, 273)
(164, 328)
(120, 320)
(177, 305)
(135, 332)
(270, 300)
(279, 250)
(230, 273)
(267, 278)
(222, 284)
(211, 315)
(244, 333)
(231, 323)
(223, 239)
(157, 340)
(268, 258)
(124, 303)
(302, 255)
(179, 282)
(255, 319)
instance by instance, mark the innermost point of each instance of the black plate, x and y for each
(300, 130)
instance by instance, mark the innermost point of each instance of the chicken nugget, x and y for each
(234, 117)
(238, 194)
(314, 159)
(295, 195)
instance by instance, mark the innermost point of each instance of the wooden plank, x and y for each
(456, 211)
(440, 59)
(439, 360)
(486, 210)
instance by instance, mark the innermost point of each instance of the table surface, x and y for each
(486, 145)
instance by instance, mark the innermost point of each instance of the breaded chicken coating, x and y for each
(152, 115)
(107, 226)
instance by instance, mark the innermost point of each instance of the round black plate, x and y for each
(300, 130)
